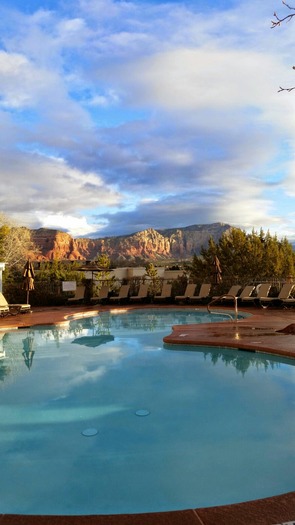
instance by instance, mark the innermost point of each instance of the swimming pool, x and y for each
(98, 417)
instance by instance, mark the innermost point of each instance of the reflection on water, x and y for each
(28, 347)
(220, 428)
(242, 360)
(108, 330)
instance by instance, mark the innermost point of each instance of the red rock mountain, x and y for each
(150, 244)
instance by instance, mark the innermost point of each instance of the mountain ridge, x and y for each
(149, 244)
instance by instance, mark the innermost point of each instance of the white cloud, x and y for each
(19, 81)
(75, 226)
(48, 189)
(204, 78)
(146, 116)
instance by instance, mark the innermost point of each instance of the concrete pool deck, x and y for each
(261, 333)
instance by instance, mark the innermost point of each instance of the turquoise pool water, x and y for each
(99, 417)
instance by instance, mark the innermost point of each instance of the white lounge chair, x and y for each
(283, 298)
(203, 294)
(231, 295)
(12, 309)
(262, 290)
(189, 292)
(246, 292)
(79, 295)
(123, 294)
(102, 296)
(165, 293)
(142, 293)
(4, 310)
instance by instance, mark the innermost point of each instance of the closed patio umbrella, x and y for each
(29, 276)
(217, 272)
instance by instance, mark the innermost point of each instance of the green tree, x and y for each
(104, 276)
(155, 282)
(196, 271)
(246, 257)
(57, 270)
(103, 261)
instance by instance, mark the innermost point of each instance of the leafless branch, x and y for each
(278, 21)
(286, 89)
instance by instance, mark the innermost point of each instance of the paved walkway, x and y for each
(267, 330)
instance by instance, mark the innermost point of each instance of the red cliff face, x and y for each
(180, 243)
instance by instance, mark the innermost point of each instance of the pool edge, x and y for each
(268, 511)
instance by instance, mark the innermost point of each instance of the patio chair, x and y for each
(284, 298)
(165, 293)
(203, 294)
(4, 310)
(123, 294)
(246, 292)
(142, 293)
(189, 292)
(231, 295)
(102, 295)
(12, 309)
(262, 290)
(79, 295)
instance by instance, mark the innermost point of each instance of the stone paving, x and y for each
(268, 330)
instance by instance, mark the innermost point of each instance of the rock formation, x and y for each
(150, 244)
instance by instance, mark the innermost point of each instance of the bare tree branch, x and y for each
(285, 89)
(277, 22)
(15, 243)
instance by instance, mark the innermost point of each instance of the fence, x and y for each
(50, 293)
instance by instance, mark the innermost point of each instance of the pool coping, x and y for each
(260, 333)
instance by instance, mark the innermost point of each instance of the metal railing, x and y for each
(225, 296)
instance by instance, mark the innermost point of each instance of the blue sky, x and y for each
(117, 116)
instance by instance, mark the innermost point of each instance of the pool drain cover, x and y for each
(142, 412)
(88, 432)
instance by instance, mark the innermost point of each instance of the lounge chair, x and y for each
(123, 294)
(232, 294)
(189, 292)
(12, 309)
(262, 290)
(246, 292)
(203, 294)
(4, 310)
(284, 298)
(102, 295)
(142, 293)
(79, 295)
(165, 293)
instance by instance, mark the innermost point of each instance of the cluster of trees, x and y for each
(246, 257)
(243, 256)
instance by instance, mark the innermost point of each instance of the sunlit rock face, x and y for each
(150, 244)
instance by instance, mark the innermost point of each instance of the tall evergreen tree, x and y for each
(246, 257)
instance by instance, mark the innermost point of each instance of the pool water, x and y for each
(100, 418)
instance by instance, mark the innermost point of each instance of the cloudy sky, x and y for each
(116, 116)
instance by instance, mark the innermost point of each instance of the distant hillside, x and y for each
(150, 244)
